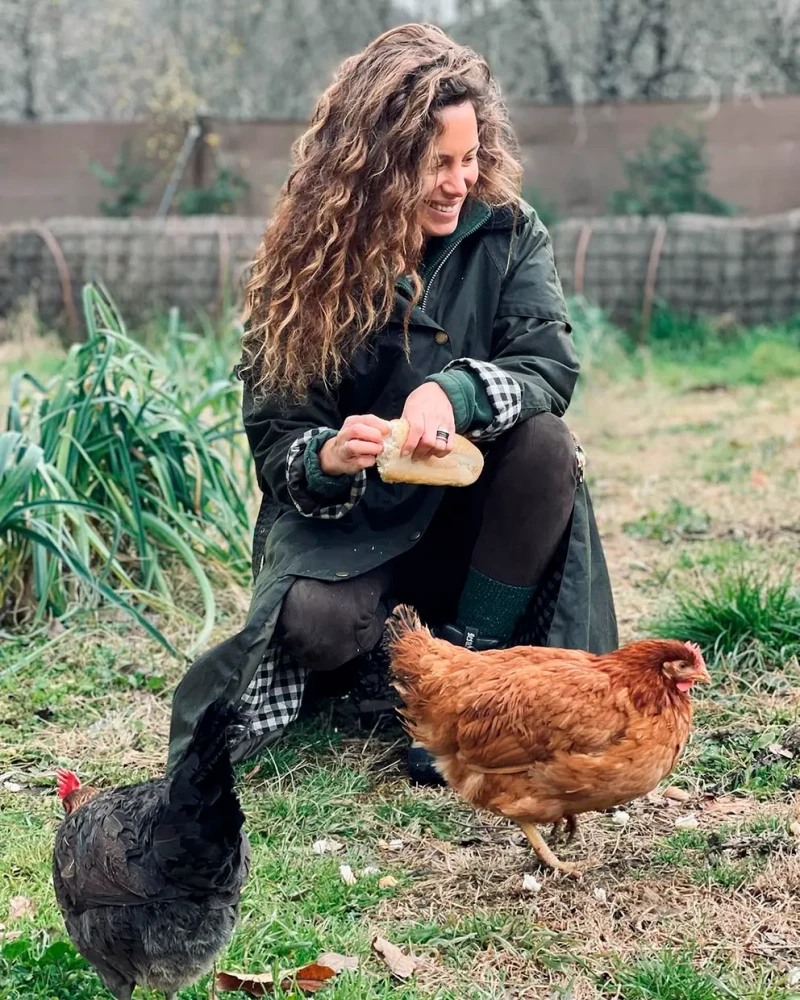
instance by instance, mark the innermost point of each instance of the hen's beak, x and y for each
(701, 676)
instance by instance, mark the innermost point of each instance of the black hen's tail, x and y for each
(197, 839)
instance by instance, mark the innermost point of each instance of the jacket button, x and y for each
(415, 536)
(342, 573)
(441, 337)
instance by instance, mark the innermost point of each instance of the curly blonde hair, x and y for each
(346, 227)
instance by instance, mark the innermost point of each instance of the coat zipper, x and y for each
(451, 250)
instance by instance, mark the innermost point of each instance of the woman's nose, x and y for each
(454, 183)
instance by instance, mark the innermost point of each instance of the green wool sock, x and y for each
(491, 607)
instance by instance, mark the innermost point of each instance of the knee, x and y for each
(545, 448)
(324, 625)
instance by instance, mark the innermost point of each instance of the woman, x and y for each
(402, 275)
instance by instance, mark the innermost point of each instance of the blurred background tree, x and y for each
(269, 58)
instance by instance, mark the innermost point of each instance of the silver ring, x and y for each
(443, 435)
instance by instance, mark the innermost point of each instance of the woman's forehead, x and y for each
(459, 131)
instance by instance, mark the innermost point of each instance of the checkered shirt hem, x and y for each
(504, 392)
(295, 473)
(274, 695)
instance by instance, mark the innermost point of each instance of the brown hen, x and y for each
(540, 735)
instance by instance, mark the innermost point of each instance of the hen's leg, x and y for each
(555, 829)
(538, 843)
(572, 826)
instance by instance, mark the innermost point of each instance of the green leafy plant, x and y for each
(218, 198)
(127, 181)
(117, 470)
(668, 176)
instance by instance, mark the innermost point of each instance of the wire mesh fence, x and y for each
(696, 265)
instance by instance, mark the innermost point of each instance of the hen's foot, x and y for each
(571, 826)
(537, 842)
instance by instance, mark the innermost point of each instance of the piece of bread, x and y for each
(460, 468)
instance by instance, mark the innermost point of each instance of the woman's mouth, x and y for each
(443, 207)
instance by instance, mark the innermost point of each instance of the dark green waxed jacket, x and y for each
(491, 294)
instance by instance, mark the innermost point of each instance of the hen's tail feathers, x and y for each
(198, 835)
(403, 620)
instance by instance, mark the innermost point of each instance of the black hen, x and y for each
(148, 876)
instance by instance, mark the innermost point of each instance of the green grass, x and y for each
(730, 856)
(739, 759)
(747, 620)
(674, 975)
(675, 523)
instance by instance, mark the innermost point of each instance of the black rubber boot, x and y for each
(469, 638)
(421, 768)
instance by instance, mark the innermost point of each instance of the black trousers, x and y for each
(508, 525)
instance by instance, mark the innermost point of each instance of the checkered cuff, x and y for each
(308, 505)
(504, 392)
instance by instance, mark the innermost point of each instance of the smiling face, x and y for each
(455, 171)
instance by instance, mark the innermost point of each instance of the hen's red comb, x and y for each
(696, 652)
(66, 782)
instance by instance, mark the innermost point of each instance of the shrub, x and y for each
(668, 176)
(127, 181)
(219, 198)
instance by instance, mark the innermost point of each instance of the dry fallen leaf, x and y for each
(346, 875)
(794, 827)
(676, 794)
(309, 979)
(399, 964)
(338, 962)
(12, 786)
(780, 751)
(687, 823)
(21, 906)
(388, 882)
(370, 870)
(6, 936)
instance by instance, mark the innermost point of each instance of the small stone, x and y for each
(687, 822)
(530, 884)
(370, 870)
(346, 874)
(600, 895)
(676, 794)
(395, 845)
(12, 786)
(388, 882)
(620, 817)
(794, 827)
(793, 978)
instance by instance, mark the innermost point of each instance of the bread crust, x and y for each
(461, 467)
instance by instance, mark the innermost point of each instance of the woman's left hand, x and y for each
(428, 410)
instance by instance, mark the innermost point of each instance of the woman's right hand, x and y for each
(355, 447)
